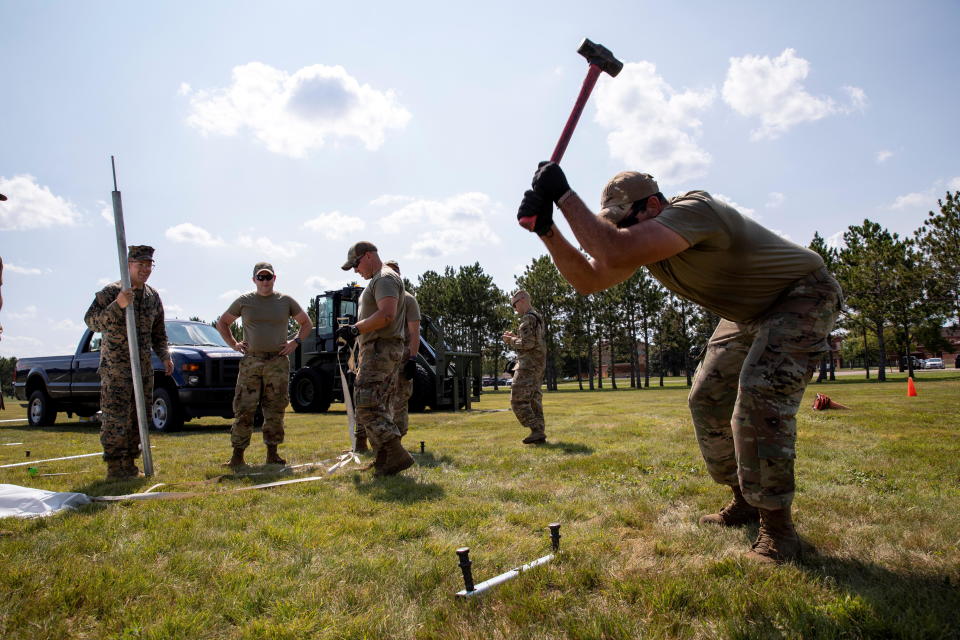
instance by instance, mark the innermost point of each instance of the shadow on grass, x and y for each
(905, 605)
(400, 489)
(574, 448)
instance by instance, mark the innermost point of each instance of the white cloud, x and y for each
(192, 234)
(173, 310)
(335, 225)
(954, 184)
(772, 89)
(747, 211)
(232, 294)
(268, 249)
(653, 127)
(26, 271)
(319, 283)
(68, 324)
(32, 206)
(454, 224)
(184, 89)
(27, 347)
(105, 281)
(836, 241)
(29, 313)
(106, 211)
(883, 155)
(913, 200)
(388, 199)
(775, 199)
(293, 114)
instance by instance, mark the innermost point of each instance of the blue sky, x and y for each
(284, 131)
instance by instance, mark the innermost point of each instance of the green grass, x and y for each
(354, 557)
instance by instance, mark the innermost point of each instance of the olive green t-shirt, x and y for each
(386, 284)
(411, 309)
(734, 267)
(265, 319)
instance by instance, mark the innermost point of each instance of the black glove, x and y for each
(410, 369)
(348, 333)
(549, 181)
(539, 208)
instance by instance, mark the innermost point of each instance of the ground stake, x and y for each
(469, 589)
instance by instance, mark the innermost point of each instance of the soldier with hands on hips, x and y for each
(777, 305)
(265, 369)
(383, 354)
(119, 433)
(526, 398)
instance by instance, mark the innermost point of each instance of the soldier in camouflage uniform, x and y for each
(265, 369)
(383, 352)
(777, 302)
(526, 399)
(411, 335)
(119, 433)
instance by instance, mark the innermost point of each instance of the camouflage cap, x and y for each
(139, 253)
(356, 252)
(263, 266)
(622, 191)
(393, 264)
(520, 294)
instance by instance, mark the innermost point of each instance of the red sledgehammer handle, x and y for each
(593, 72)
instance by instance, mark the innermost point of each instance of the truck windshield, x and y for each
(193, 334)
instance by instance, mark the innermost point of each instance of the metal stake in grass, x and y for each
(469, 589)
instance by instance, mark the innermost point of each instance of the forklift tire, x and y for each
(310, 391)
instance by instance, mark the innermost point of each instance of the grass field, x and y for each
(355, 557)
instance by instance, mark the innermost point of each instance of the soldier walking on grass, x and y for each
(119, 433)
(526, 399)
(383, 353)
(777, 302)
(265, 369)
(411, 335)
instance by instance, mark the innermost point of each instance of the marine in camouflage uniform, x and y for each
(264, 373)
(778, 305)
(119, 433)
(383, 351)
(526, 398)
(407, 373)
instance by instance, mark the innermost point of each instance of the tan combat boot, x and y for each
(395, 459)
(116, 470)
(736, 514)
(777, 541)
(272, 456)
(537, 436)
(236, 460)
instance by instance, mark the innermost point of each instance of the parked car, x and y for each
(203, 381)
(933, 363)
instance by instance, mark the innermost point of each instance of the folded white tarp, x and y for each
(24, 502)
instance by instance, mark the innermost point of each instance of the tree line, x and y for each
(899, 292)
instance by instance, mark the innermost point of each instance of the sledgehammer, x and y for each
(600, 59)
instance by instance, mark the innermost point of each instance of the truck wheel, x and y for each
(423, 394)
(165, 414)
(309, 391)
(40, 409)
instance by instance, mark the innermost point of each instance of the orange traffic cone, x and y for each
(911, 388)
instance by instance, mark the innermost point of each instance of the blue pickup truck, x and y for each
(202, 384)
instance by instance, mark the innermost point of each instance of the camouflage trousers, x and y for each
(526, 399)
(749, 386)
(263, 380)
(119, 431)
(380, 364)
(401, 400)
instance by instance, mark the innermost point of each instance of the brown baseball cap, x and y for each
(622, 191)
(357, 251)
(393, 264)
(263, 266)
(139, 253)
(519, 295)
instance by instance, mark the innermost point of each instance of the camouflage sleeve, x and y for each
(104, 313)
(527, 333)
(158, 333)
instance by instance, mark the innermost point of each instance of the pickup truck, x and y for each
(203, 381)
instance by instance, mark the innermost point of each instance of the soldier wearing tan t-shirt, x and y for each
(383, 351)
(265, 369)
(411, 335)
(777, 302)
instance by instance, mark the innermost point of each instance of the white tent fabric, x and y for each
(24, 502)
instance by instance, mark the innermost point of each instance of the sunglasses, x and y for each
(356, 262)
(264, 277)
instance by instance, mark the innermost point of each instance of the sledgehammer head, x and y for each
(599, 55)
